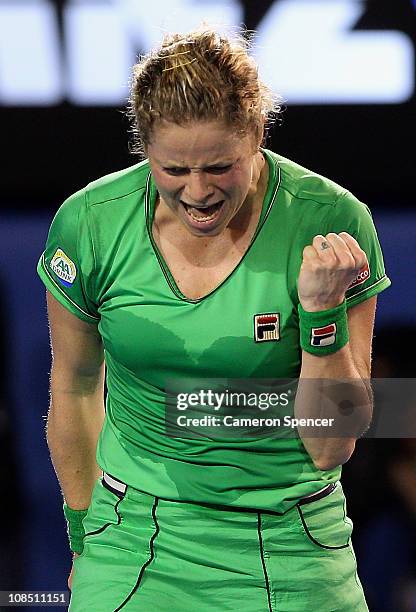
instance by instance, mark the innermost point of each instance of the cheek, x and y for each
(165, 184)
(238, 181)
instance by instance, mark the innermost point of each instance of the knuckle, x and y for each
(331, 260)
(347, 263)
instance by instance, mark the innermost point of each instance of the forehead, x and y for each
(198, 143)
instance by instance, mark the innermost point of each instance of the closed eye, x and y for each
(210, 169)
(176, 171)
(218, 169)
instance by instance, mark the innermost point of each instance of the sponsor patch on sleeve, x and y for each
(361, 277)
(64, 268)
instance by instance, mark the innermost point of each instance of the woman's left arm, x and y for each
(353, 361)
(348, 401)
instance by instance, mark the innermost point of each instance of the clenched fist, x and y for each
(329, 266)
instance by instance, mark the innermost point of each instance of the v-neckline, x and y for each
(150, 205)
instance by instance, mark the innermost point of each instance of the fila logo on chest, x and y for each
(267, 327)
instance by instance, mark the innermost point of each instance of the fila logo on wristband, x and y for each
(324, 336)
(267, 327)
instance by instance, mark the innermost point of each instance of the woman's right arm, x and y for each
(76, 412)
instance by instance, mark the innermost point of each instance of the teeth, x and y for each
(201, 207)
(206, 218)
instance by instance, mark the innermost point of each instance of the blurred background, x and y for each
(346, 69)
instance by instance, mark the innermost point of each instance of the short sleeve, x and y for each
(67, 266)
(352, 216)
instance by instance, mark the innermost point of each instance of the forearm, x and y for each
(349, 403)
(75, 420)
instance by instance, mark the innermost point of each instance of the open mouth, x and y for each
(203, 214)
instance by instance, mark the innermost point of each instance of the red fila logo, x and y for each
(361, 277)
(266, 327)
(324, 336)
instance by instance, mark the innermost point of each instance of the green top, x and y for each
(103, 265)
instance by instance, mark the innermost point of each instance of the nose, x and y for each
(197, 189)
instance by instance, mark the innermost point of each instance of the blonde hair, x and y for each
(200, 76)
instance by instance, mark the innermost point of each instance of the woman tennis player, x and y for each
(214, 258)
